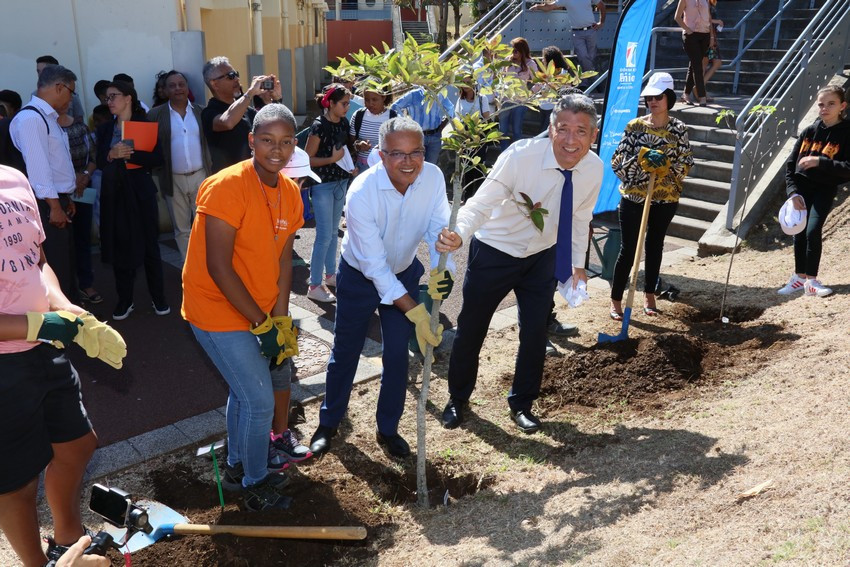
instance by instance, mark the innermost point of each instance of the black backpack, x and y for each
(358, 119)
(9, 154)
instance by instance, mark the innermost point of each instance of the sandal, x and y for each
(91, 298)
(685, 99)
(651, 311)
(616, 316)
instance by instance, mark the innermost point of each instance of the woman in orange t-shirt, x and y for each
(236, 284)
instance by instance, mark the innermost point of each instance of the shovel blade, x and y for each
(624, 330)
(162, 519)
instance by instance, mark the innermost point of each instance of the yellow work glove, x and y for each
(101, 341)
(58, 327)
(267, 334)
(287, 337)
(440, 284)
(653, 161)
(422, 320)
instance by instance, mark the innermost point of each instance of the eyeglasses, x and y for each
(113, 96)
(232, 75)
(655, 97)
(399, 156)
(70, 90)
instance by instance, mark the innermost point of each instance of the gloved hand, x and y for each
(59, 327)
(440, 284)
(653, 161)
(267, 334)
(422, 320)
(287, 337)
(101, 341)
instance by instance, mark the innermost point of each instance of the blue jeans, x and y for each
(510, 124)
(328, 201)
(433, 145)
(250, 404)
(356, 300)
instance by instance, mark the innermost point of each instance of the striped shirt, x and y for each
(47, 155)
(415, 104)
(369, 130)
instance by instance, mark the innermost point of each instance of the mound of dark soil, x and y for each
(623, 371)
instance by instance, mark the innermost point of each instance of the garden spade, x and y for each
(627, 312)
(166, 521)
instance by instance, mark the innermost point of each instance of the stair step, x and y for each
(709, 150)
(712, 170)
(688, 228)
(711, 134)
(706, 190)
(697, 209)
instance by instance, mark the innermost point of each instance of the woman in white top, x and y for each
(366, 123)
(470, 102)
(511, 114)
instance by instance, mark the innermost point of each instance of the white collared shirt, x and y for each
(186, 154)
(48, 158)
(384, 227)
(529, 167)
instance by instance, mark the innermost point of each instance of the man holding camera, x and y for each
(43, 423)
(228, 117)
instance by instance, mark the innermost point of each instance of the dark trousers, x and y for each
(59, 250)
(82, 244)
(696, 46)
(125, 274)
(356, 300)
(660, 215)
(490, 276)
(808, 244)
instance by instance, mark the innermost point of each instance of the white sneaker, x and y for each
(330, 281)
(796, 283)
(321, 294)
(814, 287)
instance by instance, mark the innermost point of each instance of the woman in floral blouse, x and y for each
(666, 139)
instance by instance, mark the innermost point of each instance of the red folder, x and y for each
(143, 135)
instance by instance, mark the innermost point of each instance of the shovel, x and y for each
(166, 521)
(627, 312)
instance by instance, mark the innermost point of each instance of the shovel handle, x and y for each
(295, 532)
(639, 248)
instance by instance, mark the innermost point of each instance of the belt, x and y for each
(590, 27)
(190, 173)
(430, 132)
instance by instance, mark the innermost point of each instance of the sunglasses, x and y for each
(232, 75)
(661, 96)
(113, 96)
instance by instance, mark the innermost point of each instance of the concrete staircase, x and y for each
(419, 31)
(706, 188)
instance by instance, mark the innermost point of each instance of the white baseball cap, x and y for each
(299, 166)
(657, 84)
(791, 220)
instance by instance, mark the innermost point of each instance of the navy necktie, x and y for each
(564, 245)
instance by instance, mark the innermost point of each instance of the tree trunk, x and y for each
(444, 24)
(457, 19)
(421, 459)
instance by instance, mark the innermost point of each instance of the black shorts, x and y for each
(40, 404)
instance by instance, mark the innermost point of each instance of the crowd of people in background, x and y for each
(232, 177)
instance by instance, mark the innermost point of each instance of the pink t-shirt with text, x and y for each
(22, 286)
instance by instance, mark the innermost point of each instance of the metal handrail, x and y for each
(790, 87)
(492, 19)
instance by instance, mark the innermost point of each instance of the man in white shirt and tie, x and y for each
(44, 146)
(186, 157)
(508, 252)
(390, 209)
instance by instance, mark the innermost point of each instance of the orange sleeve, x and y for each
(223, 197)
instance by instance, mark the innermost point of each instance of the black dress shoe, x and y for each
(526, 421)
(550, 349)
(453, 413)
(394, 444)
(321, 440)
(561, 329)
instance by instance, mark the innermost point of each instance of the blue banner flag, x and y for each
(628, 64)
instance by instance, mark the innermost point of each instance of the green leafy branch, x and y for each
(532, 210)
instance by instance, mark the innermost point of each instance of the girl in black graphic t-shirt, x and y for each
(326, 146)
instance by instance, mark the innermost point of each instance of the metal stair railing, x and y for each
(791, 87)
(493, 22)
